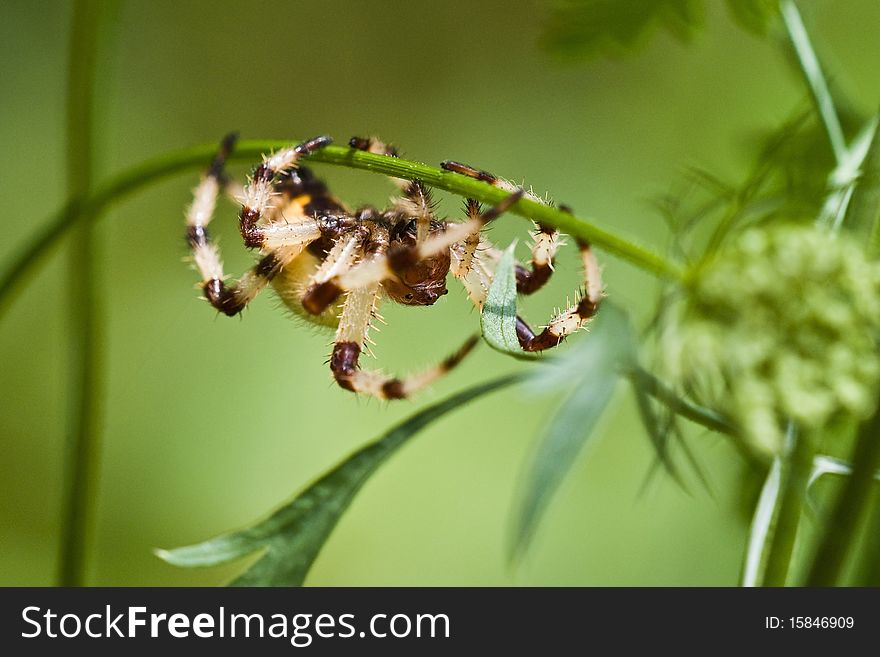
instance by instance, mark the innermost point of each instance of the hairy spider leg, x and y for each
(257, 199)
(473, 273)
(545, 239)
(360, 307)
(281, 243)
(415, 201)
(572, 318)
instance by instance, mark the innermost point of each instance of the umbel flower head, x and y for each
(782, 323)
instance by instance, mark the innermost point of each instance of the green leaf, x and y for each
(498, 319)
(753, 16)
(761, 530)
(863, 213)
(291, 538)
(811, 69)
(590, 371)
(588, 28)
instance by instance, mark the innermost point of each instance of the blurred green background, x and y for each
(211, 423)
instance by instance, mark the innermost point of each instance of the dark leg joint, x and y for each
(344, 363)
(219, 161)
(367, 144)
(247, 224)
(196, 236)
(222, 298)
(268, 267)
(530, 281)
(531, 342)
(313, 144)
(469, 171)
(393, 389)
(319, 297)
(587, 308)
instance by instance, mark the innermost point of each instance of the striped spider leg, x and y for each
(360, 307)
(474, 262)
(281, 237)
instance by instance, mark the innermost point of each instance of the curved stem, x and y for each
(89, 207)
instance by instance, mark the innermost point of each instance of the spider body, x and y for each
(316, 253)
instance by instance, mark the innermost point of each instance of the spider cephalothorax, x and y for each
(316, 251)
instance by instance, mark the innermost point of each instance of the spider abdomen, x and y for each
(291, 284)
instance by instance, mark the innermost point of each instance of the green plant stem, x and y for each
(797, 463)
(867, 571)
(840, 530)
(812, 71)
(88, 208)
(82, 458)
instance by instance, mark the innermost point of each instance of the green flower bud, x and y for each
(782, 323)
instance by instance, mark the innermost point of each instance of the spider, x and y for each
(314, 250)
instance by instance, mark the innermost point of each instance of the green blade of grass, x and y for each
(863, 213)
(762, 527)
(815, 78)
(291, 538)
(591, 372)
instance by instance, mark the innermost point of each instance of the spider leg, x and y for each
(415, 201)
(528, 281)
(360, 306)
(546, 239)
(573, 317)
(257, 199)
(340, 258)
(283, 242)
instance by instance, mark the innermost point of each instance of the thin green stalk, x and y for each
(812, 71)
(867, 570)
(841, 527)
(796, 465)
(87, 208)
(83, 439)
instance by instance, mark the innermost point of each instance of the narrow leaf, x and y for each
(599, 360)
(762, 524)
(292, 537)
(498, 319)
(863, 213)
(815, 78)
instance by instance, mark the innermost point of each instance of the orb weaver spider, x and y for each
(316, 251)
